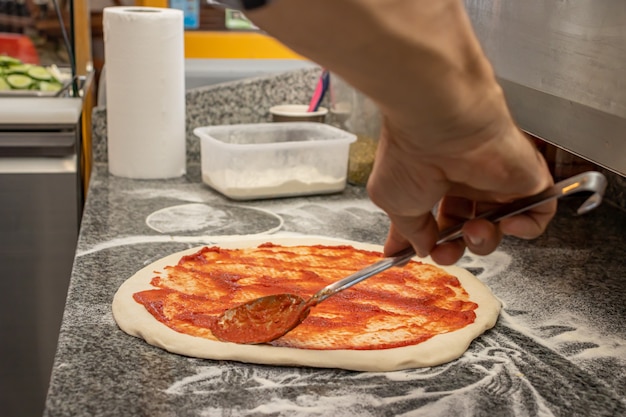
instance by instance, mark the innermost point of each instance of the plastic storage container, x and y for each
(268, 160)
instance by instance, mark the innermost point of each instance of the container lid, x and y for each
(275, 135)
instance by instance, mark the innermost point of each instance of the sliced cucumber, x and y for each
(18, 69)
(17, 75)
(6, 61)
(19, 81)
(49, 86)
(4, 85)
(39, 73)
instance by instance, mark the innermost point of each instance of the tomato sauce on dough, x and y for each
(398, 307)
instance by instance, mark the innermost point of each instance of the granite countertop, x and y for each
(559, 347)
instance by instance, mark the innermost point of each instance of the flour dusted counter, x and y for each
(559, 347)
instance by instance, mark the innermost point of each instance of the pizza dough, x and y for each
(135, 320)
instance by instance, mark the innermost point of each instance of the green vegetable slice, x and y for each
(18, 69)
(6, 61)
(39, 73)
(4, 85)
(49, 86)
(19, 81)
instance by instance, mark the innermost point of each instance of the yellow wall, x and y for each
(227, 44)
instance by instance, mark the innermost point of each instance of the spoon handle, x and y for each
(591, 181)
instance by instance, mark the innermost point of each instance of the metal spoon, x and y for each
(267, 318)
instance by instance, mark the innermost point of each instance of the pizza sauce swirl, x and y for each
(398, 307)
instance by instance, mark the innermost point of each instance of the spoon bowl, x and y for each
(262, 319)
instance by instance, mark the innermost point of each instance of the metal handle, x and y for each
(591, 181)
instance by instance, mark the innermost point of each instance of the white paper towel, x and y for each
(145, 91)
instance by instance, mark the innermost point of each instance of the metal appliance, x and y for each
(40, 209)
(562, 65)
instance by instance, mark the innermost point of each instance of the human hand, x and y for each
(466, 177)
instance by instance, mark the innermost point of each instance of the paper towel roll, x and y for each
(145, 91)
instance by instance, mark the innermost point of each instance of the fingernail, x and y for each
(475, 240)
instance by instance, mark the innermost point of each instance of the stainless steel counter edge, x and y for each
(40, 110)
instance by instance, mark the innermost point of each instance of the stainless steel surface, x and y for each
(46, 142)
(23, 113)
(41, 199)
(39, 228)
(563, 66)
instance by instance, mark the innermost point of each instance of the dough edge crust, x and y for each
(135, 320)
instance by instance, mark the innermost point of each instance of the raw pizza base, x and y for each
(135, 320)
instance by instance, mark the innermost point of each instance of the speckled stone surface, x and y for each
(559, 347)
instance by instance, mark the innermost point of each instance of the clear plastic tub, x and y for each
(268, 160)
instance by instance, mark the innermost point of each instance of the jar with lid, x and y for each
(356, 113)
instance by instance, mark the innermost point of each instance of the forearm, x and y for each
(419, 59)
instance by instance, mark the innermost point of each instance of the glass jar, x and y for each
(356, 113)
